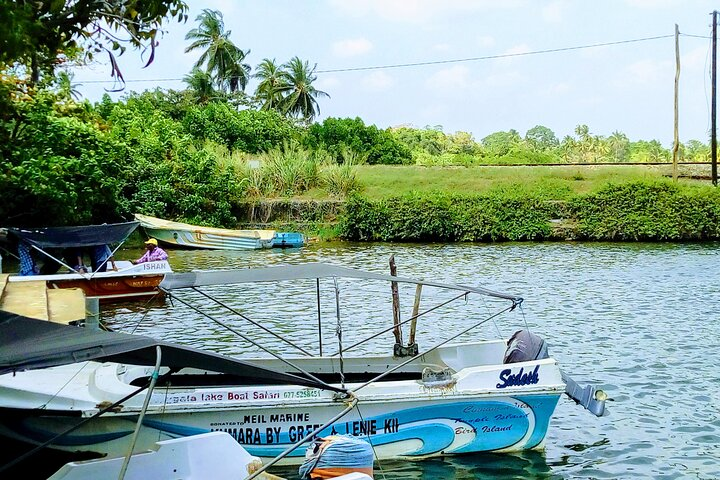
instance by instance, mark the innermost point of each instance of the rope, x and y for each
(338, 331)
(80, 424)
(403, 322)
(291, 448)
(253, 322)
(369, 439)
(251, 341)
(412, 359)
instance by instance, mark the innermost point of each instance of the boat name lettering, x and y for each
(493, 428)
(289, 417)
(254, 419)
(305, 393)
(519, 379)
(482, 409)
(391, 425)
(178, 398)
(363, 427)
(462, 430)
(238, 396)
(510, 416)
(265, 395)
(153, 266)
(301, 431)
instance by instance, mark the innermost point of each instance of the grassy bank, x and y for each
(655, 210)
(561, 182)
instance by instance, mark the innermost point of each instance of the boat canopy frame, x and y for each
(41, 239)
(310, 271)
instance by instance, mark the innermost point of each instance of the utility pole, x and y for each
(713, 101)
(676, 135)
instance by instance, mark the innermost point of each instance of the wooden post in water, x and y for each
(676, 142)
(412, 346)
(397, 331)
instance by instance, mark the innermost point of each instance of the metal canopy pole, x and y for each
(317, 285)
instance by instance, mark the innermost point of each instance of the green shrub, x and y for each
(336, 135)
(648, 211)
(446, 217)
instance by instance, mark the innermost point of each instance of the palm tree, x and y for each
(66, 89)
(201, 84)
(269, 90)
(300, 97)
(222, 56)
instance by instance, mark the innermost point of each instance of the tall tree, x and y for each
(39, 35)
(223, 59)
(66, 89)
(272, 84)
(300, 97)
(201, 85)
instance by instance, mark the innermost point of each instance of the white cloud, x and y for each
(698, 58)
(378, 81)
(503, 80)
(645, 72)
(553, 12)
(485, 41)
(327, 83)
(453, 78)
(441, 47)
(560, 88)
(352, 47)
(655, 3)
(516, 50)
(418, 11)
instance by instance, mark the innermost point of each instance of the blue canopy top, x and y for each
(77, 236)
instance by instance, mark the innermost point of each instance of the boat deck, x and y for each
(33, 299)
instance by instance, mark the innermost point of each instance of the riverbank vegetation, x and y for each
(212, 151)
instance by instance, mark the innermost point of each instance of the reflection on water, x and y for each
(637, 320)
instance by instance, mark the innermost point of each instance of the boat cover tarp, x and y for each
(300, 272)
(29, 344)
(79, 236)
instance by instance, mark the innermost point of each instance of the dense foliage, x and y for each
(335, 135)
(40, 35)
(657, 211)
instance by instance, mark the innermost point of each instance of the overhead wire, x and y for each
(443, 62)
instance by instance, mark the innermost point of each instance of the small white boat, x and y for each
(193, 236)
(124, 282)
(450, 398)
(214, 455)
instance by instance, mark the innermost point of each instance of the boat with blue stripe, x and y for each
(450, 397)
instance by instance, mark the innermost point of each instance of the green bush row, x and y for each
(653, 211)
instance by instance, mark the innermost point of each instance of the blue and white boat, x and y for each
(184, 235)
(451, 397)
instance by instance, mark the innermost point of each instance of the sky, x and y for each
(626, 87)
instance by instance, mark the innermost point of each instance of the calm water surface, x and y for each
(638, 320)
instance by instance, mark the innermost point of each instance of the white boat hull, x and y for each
(479, 409)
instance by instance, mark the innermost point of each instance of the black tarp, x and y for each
(79, 236)
(28, 344)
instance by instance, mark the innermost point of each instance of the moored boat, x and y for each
(109, 280)
(193, 236)
(453, 397)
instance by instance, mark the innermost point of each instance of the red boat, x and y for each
(111, 280)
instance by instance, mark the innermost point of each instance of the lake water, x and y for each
(637, 320)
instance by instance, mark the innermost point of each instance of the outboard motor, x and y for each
(525, 346)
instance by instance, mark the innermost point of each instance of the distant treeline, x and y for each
(167, 154)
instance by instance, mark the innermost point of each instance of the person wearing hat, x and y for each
(153, 253)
